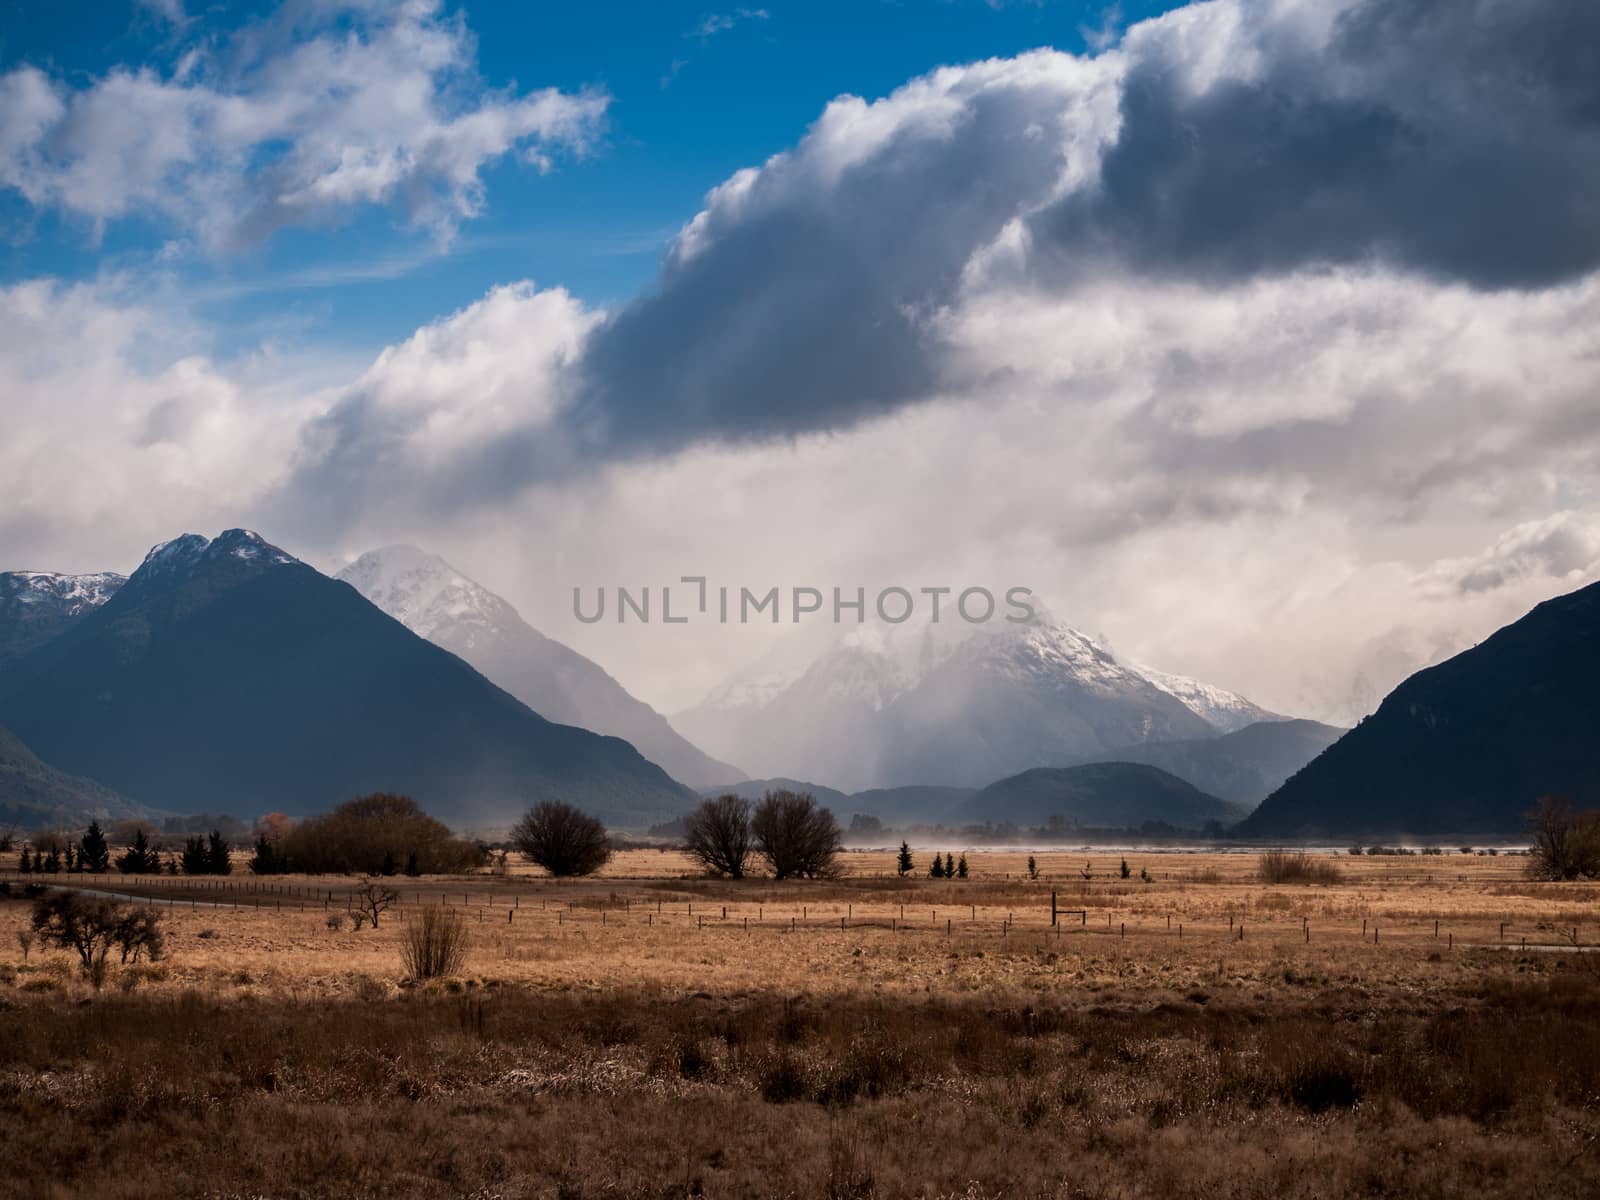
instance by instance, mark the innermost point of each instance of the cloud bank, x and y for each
(1263, 341)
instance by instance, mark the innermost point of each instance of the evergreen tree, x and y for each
(219, 854)
(389, 866)
(195, 859)
(139, 859)
(172, 866)
(936, 871)
(93, 853)
(949, 865)
(264, 860)
(1033, 867)
(961, 868)
(1125, 871)
(905, 865)
(53, 863)
(413, 868)
(25, 863)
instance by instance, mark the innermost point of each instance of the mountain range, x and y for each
(1467, 746)
(435, 601)
(227, 675)
(884, 710)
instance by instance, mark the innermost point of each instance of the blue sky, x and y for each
(696, 93)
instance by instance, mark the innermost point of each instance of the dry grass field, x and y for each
(1424, 1026)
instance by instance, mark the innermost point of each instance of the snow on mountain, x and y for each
(1228, 711)
(890, 706)
(37, 605)
(437, 602)
(72, 594)
(427, 595)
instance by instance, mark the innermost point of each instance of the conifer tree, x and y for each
(905, 865)
(936, 871)
(94, 854)
(961, 868)
(139, 859)
(195, 859)
(25, 863)
(218, 854)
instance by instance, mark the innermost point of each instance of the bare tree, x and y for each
(1566, 843)
(795, 836)
(86, 925)
(717, 835)
(561, 839)
(371, 900)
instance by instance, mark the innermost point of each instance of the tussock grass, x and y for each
(433, 943)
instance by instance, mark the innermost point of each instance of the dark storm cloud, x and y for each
(1458, 138)
(803, 305)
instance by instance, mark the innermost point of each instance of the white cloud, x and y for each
(1300, 468)
(285, 125)
(121, 431)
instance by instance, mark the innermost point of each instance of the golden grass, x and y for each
(651, 1033)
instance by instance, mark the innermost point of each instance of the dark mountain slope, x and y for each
(228, 676)
(35, 794)
(1467, 746)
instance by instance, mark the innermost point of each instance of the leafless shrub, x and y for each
(433, 943)
(717, 835)
(25, 942)
(1281, 866)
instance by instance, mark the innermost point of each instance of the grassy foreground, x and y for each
(667, 1053)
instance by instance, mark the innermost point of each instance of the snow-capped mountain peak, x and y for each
(191, 549)
(1228, 711)
(886, 706)
(426, 594)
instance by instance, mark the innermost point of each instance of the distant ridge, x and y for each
(1109, 795)
(34, 794)
(1467, 746)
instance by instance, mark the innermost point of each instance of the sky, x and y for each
(1259, 337)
